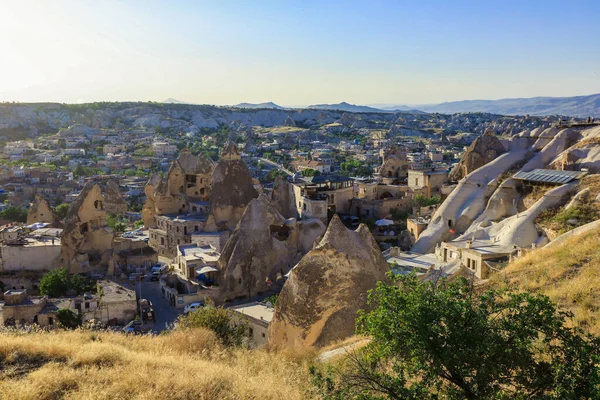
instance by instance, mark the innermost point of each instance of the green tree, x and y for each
(310, 172)
(424, 201)
(61, 210)
(58, 282)
(138, 224)
(229, 328)
(68, 318)
(445, 341)
(54, 283)
(16, 214)
(118, 223)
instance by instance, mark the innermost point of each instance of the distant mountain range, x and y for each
(270, 104)
(576, 106)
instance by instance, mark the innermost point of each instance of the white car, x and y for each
(192, 307)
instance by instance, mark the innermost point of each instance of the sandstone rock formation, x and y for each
(289, 122)
(319, 301)
(87, 240)
(395, 164)
(232, 188)
(188, 181)
(41, 211)
(263, 248)
(281, 198)
(483, 150)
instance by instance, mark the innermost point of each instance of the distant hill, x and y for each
(270, 104)
(171, 100)
(577, 106)
(346, 107)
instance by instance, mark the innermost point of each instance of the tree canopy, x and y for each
(446, 341)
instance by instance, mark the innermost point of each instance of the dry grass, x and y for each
(568, 273)
(180, 365)
(592, 182)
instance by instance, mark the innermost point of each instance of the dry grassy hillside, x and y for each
(180, 365)
(568, 273)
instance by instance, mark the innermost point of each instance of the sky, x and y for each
(297, 53)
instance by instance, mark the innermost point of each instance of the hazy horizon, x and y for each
(297, 53)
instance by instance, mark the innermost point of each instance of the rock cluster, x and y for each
(483, 150)
(87, 240)
(232, 188)
(319, 301)
(41, 211)
(263, 248)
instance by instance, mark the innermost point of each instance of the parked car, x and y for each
(192, 307)
(155, 276)
(160, 267)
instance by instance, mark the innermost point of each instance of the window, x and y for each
(87, 304)
(162, 241)
(98, 205)
(251, 331)
(263, 335)
(304, 206)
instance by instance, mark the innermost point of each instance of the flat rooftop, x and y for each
(414, 260)
(256, 310)
(184, 217)
(484, 246)
(193, 252)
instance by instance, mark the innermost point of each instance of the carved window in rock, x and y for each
(98, 205)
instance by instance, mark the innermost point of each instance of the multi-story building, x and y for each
(162, 149)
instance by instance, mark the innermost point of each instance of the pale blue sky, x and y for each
(297, 52)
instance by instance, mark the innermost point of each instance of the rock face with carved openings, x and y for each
(232, 188)
(263, 248)
(319, 301)
(41, 211)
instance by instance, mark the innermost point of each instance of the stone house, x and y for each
(322, 195)
(431, 179)
(257, 316)
(478, 256)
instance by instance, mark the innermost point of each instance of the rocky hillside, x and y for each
(21, 120)
(566, 272)
(582, 106)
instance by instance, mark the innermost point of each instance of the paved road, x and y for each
(165, 314)
(274, 164)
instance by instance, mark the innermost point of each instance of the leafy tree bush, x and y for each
(118, 223)
(138, 224)
(61, 210)
(16, 214)
(68, 318)
(229, 328)
(58, 282)
(444, 341)
(310, 172)
(424, 201)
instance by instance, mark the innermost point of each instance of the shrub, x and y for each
(58, 282)
(229, 328)
(432, 341)
(68, 318)
(61, 210)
